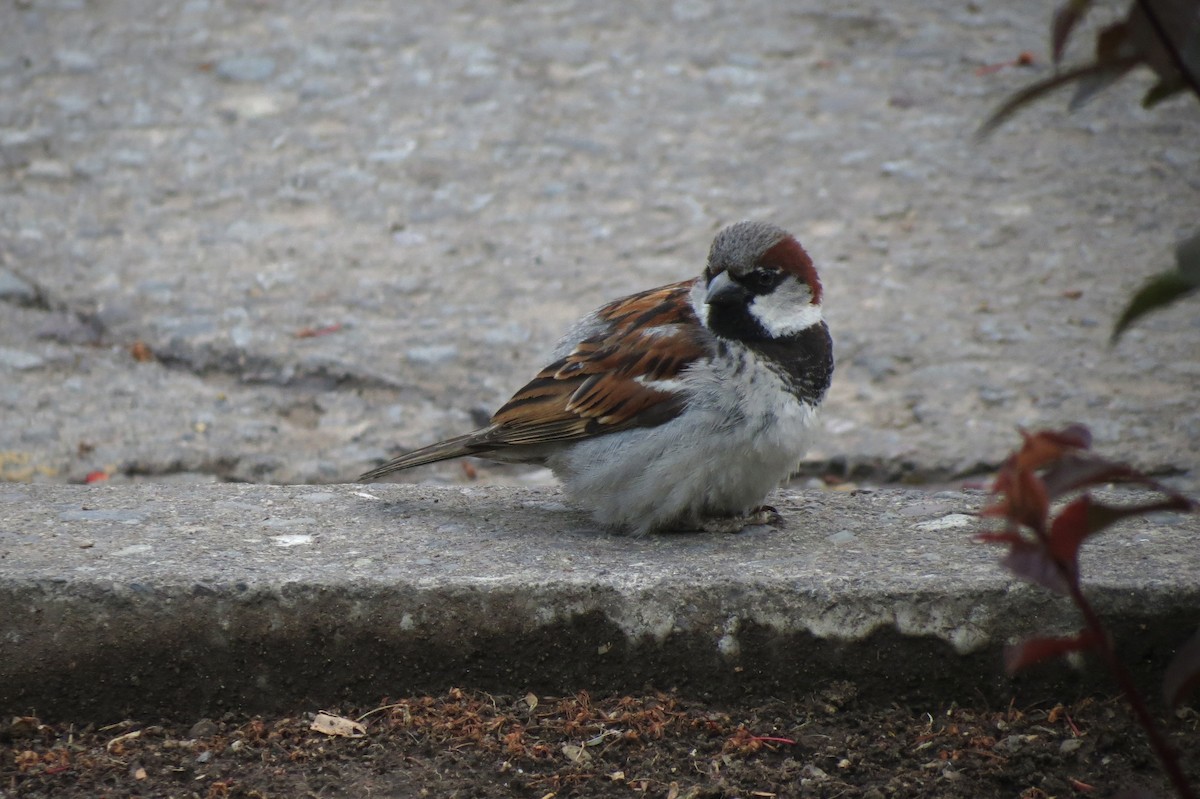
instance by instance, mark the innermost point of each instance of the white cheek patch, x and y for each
(787, 310)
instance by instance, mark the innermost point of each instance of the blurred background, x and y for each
(282, 242)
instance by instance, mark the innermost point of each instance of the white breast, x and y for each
(742, 434)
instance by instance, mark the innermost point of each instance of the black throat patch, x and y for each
(804, 360)
(735, 322)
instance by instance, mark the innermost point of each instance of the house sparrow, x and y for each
(679, 408)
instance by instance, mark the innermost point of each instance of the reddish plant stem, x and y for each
(1162, 750)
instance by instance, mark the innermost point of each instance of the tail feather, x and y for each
(467, 444)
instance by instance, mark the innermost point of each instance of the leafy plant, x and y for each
(1163, 35)
(1165, 287)
(1043, 548)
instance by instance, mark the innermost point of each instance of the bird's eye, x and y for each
(760, 281)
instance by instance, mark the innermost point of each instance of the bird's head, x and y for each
(759, 285)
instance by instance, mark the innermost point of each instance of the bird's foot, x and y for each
(763, 514)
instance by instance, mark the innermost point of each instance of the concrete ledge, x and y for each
(183, 600)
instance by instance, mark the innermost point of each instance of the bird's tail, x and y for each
(466, 444)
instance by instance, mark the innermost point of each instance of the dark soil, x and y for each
(462, 744)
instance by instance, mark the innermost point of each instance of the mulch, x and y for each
(471, 744)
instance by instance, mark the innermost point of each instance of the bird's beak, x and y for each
(723, 291)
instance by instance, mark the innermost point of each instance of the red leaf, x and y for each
(1077, 471)
(1068, 531)
(1029, 561)
(95, 477)
(1114, 42)
(1026, 501)
(1012, 538)
(1183, 674)
(1065, 20)
(1085, 517)
(1035, 650)
(1092, 73)
(1073, 436)
(1047, 446)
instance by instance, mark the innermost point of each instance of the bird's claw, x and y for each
(762, 515)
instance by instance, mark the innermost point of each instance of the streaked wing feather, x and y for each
(607, 382)
(537, 433)
(456, 447)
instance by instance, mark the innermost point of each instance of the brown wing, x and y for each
(614, 379)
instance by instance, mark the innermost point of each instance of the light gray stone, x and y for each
(246, 69)
(433, 354)
(455, 184)
(15, 289)
(284, 594)
(18, 360)
(75, 61)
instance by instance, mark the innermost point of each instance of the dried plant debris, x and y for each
(465, 743)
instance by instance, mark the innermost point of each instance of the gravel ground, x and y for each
(277, 243)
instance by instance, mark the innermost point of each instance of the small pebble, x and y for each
(245, 69)
(15, 289)
(996, 395)
(948, 522)
(431, 355)
(841, 537)
(295, 540)
(73, 61)
(127, 157)
(100, 515)
(18, 360)
(253, 106)
(48, 170)
(1070, 745)
(204, 728)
